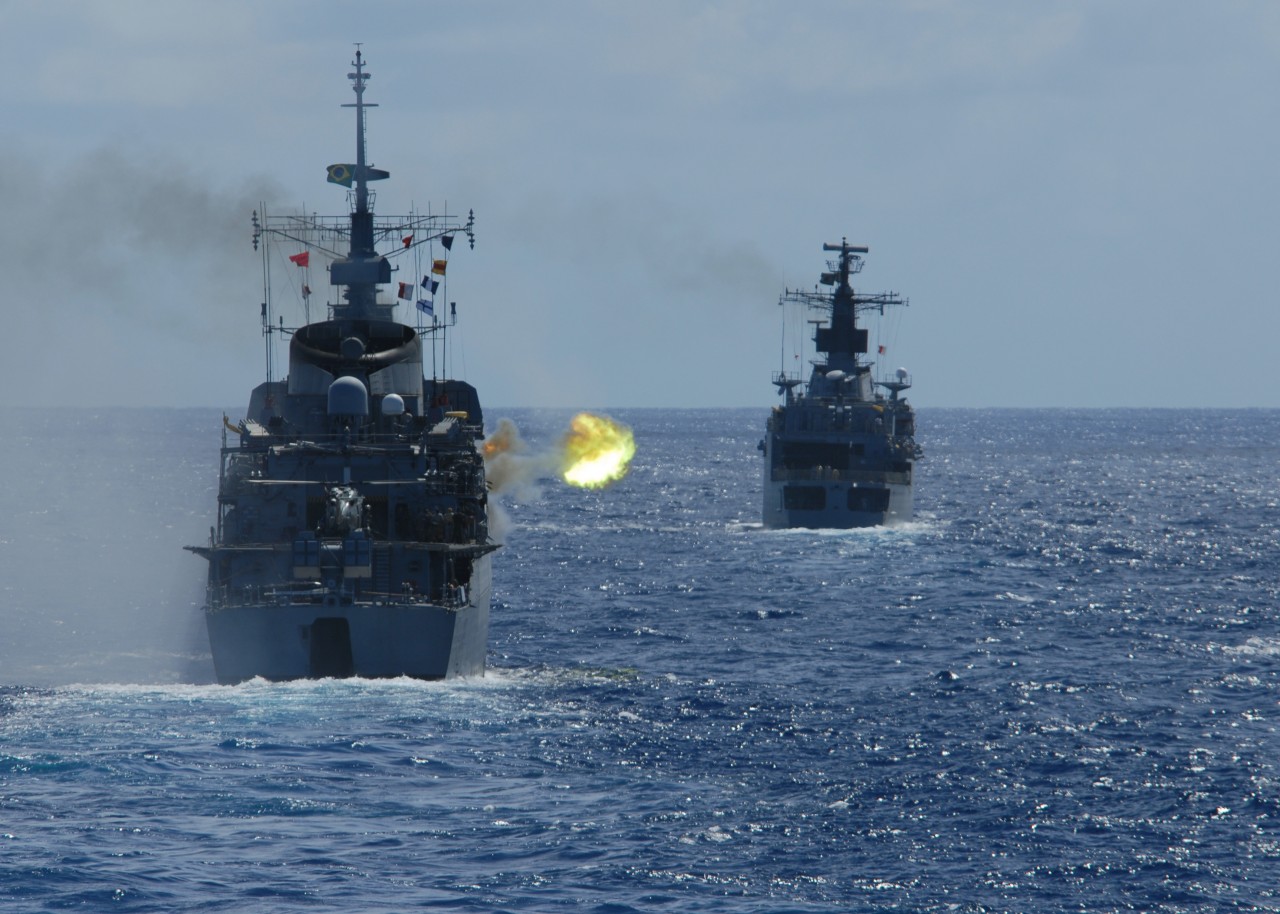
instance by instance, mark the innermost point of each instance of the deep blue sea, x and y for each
(1057, 690)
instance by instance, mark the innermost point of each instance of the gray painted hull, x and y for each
(839, 453)
(418, 640)
(835, 514)
(352, 534)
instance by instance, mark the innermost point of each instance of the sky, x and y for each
(1079, 200)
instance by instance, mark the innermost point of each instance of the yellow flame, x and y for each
(596, 451)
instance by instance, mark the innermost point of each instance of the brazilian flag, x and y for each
(341, 174)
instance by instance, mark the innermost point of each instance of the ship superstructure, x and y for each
(838, 452)
(352, 533)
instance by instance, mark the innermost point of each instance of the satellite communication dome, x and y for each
(902, 374)
(348, 397)
(392, 405)
(835, 375)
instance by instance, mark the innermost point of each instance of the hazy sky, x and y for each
(1078, 198)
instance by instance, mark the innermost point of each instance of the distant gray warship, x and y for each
(839, 454)
(352, 535)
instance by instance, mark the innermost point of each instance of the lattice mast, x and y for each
(359, 269)
(841, 338)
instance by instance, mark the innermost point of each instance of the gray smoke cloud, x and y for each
(510, 467)
(120, 269)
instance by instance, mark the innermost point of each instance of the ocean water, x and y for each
(1056, 690)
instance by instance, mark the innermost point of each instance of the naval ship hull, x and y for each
(352, 533)
(832, 497)
(375, 641)
(835, 505)
(838, 453)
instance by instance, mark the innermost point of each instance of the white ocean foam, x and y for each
(1257, 646)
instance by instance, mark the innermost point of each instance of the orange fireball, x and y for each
(596, 451)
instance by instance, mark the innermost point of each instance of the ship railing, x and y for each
(833, 474)
(449, 598)
(835, 419)
(431, 483)
(446, 482)
(226, 597)
(354, 438)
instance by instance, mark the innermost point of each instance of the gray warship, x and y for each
(838, 453)
(352, 533)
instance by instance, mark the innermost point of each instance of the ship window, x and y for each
(868, 499)
(798, 455)
(804, 498)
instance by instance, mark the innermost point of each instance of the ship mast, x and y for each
(358, 79)
(358, 271)
(363, 268)
(842, 340)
